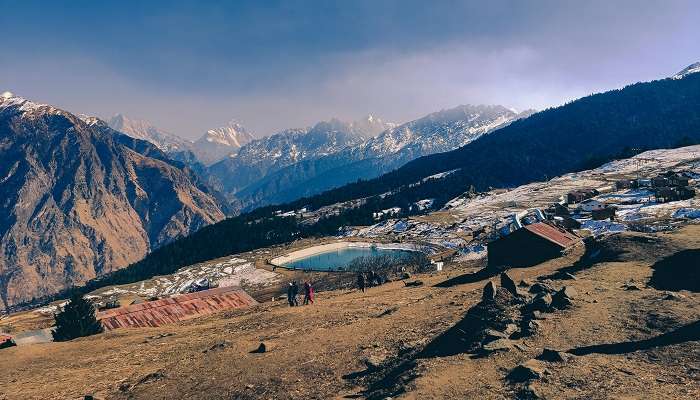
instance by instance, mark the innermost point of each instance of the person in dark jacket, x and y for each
(295, 293)
(290, 294)
(361, 281)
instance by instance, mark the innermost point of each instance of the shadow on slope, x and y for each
(678, 272)
(687, 333)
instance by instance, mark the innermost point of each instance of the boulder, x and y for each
(374, 362)
(542, 302)
(540, 287)
(553, 355)
(489, 292)
(497, 346)
(563, 298)
(673, 296)
(524, 283)
(508, 284)
(568, 276)
(529, 370)
(261, 349)
(529, 392)
(489, 335)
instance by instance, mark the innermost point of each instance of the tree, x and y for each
(76, 320)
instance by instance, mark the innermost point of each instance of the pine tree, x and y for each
(76, 320)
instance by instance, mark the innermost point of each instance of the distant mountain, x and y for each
(222, 142)
(265, 156)
(580, 135)
(691, 69)
(143, 130)
(438, 132)
(79, 199)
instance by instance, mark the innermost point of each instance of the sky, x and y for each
(188, 66)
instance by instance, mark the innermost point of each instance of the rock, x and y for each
(529, 370)
(405, 275)
(553, 355)
(539, 287)
(542, 302)
(497, 346)
(520, 346)
(562, 298)
(568, 276)
(489, 335)
(508, 284)
(531, 326)
(536, 315)
(510, 329)
(261, 349)
(524, 283)
(673, 296)
(630, 286)
(373, 362)
(489, 291)
(529, 392)
(413, 283)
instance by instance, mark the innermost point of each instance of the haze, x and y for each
(188, 66)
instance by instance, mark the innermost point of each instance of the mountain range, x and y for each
(79, 200)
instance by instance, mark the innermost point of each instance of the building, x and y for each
(566, 222)
(604, 213)
(530, 245)
(673, 193)
(625, 184)
(591, 205)
(174, 309)
(6, 341)
(577, 196)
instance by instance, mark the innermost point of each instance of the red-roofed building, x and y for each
(6, 341)
(174, 309)
(530, 245)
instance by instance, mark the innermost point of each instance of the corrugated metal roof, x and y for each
(174, 309)
(555, 235)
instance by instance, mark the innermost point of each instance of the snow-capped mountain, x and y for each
(690, 69)
(144, 130)
(438, 132)
(219, 143)
(262, 157)
(79, 200)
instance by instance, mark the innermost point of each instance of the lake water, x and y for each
(339, 259)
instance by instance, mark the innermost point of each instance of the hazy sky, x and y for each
(192, 65)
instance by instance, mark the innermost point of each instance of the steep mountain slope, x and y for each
(438, 132)
(221, 142)
(690, 69)
(264, 156)
(579, 135)
(79, 200)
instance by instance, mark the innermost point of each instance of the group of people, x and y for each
(293, 293)
(369, 279)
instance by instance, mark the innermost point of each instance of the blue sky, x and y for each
(192, 65)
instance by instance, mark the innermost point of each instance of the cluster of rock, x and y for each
(511, 311)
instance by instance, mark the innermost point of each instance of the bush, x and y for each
(76, 320)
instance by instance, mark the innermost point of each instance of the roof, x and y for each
(174, 309)
(4, 338)
(555, 235)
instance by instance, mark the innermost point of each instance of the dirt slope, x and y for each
(323, 351)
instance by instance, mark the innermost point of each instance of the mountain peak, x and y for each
(690, 69)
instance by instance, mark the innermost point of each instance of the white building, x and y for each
(591, 205)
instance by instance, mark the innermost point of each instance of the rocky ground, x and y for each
(611, 332)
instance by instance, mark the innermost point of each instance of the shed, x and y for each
(6, 341)
(530, 245)
(604, 213)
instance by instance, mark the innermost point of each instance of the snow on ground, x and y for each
(492, 208)
(233, 271)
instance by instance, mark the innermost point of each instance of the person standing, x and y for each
(361, 281)
(295, 293)
(290, 294)
(308, 293)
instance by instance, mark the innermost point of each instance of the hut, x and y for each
(529, 245)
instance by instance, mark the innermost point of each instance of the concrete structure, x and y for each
(33, 337)
(174, 309)
(591, 205)
(529, 246)
(577, 196)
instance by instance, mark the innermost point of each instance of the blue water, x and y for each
(339, 259)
